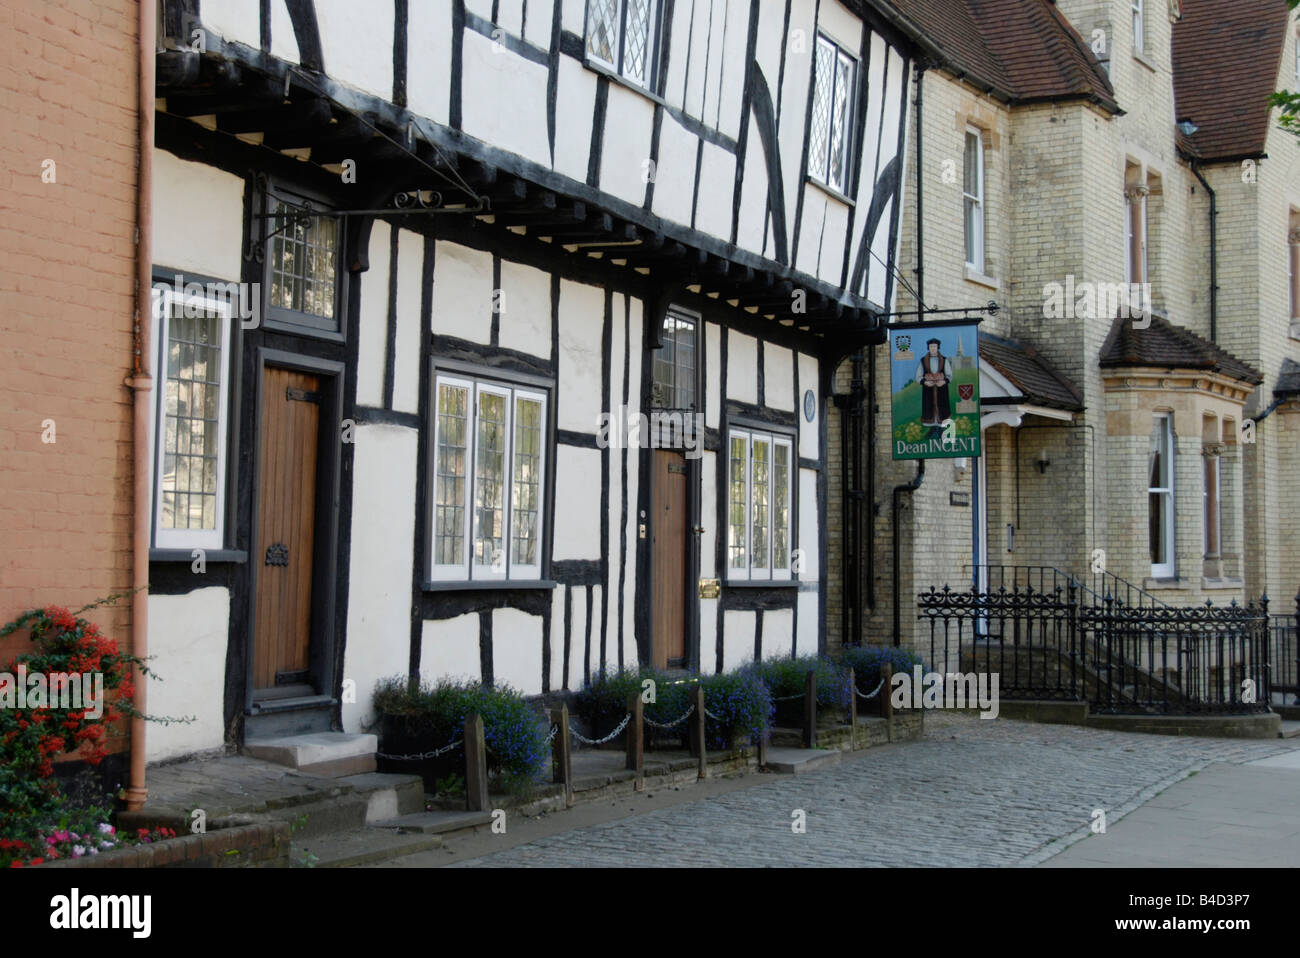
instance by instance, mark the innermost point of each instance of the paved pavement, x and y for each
(973, 793)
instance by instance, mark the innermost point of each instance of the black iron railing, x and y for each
(1050, 635)
(1284, 654)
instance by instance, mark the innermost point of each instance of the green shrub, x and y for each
(603, 703)
(787, 676)
(514, 735)
(866, 660)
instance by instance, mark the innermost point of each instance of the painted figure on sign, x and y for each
(934, 373)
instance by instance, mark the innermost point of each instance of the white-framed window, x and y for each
(830, 134)
(759, 495)
(192, 419)
(1160, 496)
(488, 480)
(973, 198)
(622, 35)
(1139, 27)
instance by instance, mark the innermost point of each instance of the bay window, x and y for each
(488, 474)
(761, 473)
(1160, 497)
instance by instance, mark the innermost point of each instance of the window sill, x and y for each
(830, 191)
(485, 585)
(761, 583)
(236, 556)
(606, 71)
(1295, 329)
(975, 276)
(1235, 583)
(1141, 58)
(1163, 584)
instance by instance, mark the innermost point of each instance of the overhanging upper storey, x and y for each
(728, 147)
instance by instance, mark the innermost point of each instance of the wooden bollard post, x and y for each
(562, 754)
(810, 710)
(886, 704)
(698, 744)
(476, 783)
(636, 738)
(853, 711)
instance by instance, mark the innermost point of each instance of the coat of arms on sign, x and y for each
(903, 348)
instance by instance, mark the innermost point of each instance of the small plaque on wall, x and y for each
(710, 588)
(959, 498)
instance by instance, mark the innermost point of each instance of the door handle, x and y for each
(698, 530)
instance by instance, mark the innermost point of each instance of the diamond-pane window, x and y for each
(302, 256)
(621, 35)
(831, 123)
(489, 469)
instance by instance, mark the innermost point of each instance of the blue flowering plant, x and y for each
(787, 676)
(421, 718)
(740, 706)
(866, 662)
(602, 703)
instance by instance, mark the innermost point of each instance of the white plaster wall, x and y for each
(577, 503)
(537, 28)
(188, 636)
(808, 539)
(284, 42)
(198, 217)
(577, 638)
(629, 123)
(510, 15)
(778, 633)
(597, 597)
(675, 172)
(357, 43)
(482, 7)
(709, 516)
(737, 639)
(428, 61)
(517, 650)
(742, 367)
(503, 99)
(814, 217)
(712, 379)
(582, 315)
(237, 20)
(557, 637)
(525, 323)
(794, 104)
(697, 33)
(462, 293)
(372, 340)
(717, 189)
(888, 148)
(675, 86)
(778, 377)
(406, 343)
(712, 63)
(809, 604)
(835, 225)
(708, 636)
(867, 161)
(573, 14)
(575, 98)
(449, 648)
(753, 193)
(383, 531)
(732, 66)
(809, 432)
(840, 24)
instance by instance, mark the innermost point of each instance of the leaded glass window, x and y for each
(621, 34)
(831, 125)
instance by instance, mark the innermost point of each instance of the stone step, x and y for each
(796, 761)
(331, 754)
(437, 823)
(1289, 729)
(388, 795)
(362, 846)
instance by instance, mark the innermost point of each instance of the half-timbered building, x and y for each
(494, 338)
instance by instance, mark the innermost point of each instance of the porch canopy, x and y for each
(1015, 381)
(293, 111)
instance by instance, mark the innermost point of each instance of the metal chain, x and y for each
(551, 737)
(689, 712)
(787, 698)
(423, 755)
(601, 741)
(712, 716)
(873, 694)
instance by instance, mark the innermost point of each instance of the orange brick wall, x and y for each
(68, 94)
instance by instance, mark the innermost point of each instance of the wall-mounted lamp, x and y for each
(1043, 461)
(960, 467)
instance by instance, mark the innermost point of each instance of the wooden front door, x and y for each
(669, 516)
(286, 523)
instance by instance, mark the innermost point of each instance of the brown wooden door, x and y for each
(286, 514)
(668, 558)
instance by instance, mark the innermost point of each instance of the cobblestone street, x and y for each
(972, 793)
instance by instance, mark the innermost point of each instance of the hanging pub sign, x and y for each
(935, 390)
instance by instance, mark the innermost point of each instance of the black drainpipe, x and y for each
(872, 409)
(909, 487)
(855, 504)
(1214, 253)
